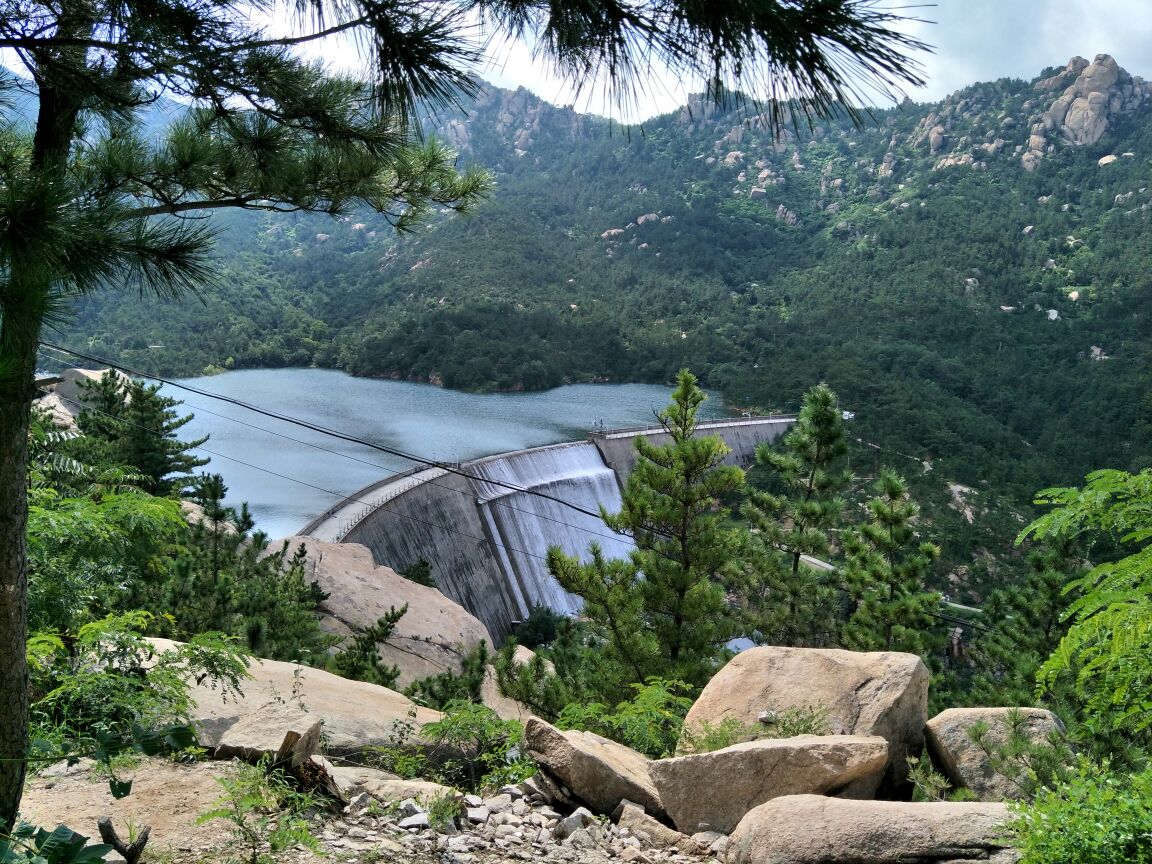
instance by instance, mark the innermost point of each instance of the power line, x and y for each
(383, 506)
(392, 451)
(384, 468)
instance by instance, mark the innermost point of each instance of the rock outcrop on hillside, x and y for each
(432, 637)
(877, 693)
(599, 772)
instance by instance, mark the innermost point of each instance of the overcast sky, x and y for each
(975, 40)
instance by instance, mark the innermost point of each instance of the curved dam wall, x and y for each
(486, 534)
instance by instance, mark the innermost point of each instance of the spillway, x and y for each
(524, 522)
(486, 530)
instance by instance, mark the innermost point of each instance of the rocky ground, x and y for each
(503, 827)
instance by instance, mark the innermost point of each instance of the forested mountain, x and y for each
(970, 275)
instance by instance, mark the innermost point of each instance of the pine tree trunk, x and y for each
(26, 300)
(19, 332)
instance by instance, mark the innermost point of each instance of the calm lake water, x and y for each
(288, 474)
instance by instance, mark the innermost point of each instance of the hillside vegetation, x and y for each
(969, 275)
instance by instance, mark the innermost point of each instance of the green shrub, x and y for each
(264, 812)
(650, 722)
(1092, 817)
(107, 689)
(469, 747)
(473, 749)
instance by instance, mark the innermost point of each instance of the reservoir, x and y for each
(289, 474)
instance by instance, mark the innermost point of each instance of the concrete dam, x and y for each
(486, 530)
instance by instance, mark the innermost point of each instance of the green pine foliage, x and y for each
(885, 571)
(791, 600)
(130, 423)
(663, 612)
(1026, 622)
(437, 691)
(222, 576)
(573, 667)
(360, 658)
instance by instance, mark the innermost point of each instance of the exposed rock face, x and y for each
(505, 707)
(1094, 95)
(713, 791)
(965, 763)
(355, 714)
(812, 829)
(432, 637)
(878, 693)
(599, 772)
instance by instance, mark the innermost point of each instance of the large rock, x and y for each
(880, 693)
(812, 829)
(355, 714)
(967, 764)
(432, 637)
(713, 791)
(599, 772)
(277, 729)
(641, 825)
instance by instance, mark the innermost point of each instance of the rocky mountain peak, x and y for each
(1091, 98)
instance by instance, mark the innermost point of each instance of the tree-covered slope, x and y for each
(969, 275)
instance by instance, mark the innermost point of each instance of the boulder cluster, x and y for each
(836, 797)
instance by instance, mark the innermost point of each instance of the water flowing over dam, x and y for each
(487, 529)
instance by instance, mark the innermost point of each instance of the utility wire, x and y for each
(375, 506)
(392, 451)
(323, 430)
(348, 498)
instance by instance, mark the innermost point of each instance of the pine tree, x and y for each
(1026, 622)
(360, 659)
(224, 577)
(791, 599)
(663, 612)
(129, 423)
(885, 571)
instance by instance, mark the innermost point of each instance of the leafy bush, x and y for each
(108, 690)
(475, 750)
(469, 747)
(650, 722)
(263, 811)
(1093, 817)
